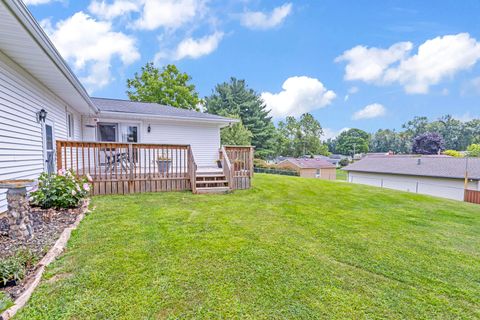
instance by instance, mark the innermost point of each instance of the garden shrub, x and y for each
(63, 190)
(453, 153)
(14, 268)
(473, 150)
(344, 162)
(5, 302)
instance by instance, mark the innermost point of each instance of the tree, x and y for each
(416, 126)
(236, 135)
(385, 141)
(167, 86)
(301, 137)
(352, 139)
(452, 131)
(235, 98)
(473, 150)
(428, 143)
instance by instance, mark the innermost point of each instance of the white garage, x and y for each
(438, 176)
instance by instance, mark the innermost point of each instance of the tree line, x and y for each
(293, 136)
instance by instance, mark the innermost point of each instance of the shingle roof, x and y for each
(147, 108)
(430, 166)
(310, 163)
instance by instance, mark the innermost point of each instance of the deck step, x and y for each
(211, 181)
(213, 190)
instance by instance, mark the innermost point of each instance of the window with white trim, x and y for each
(70, 125)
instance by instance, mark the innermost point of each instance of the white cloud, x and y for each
(351, 91)
(170, 14)
(299, 95)
(117, 8)
(192, 48)
(369, 64)
(260, 20)
(371, 111)
(90, 46)
(331, 133)
(435, 60)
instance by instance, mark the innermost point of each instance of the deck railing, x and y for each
(119, 168)
(241, 160)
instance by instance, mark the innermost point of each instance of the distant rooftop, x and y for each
(415, 165)
(147, 108)
(310, 163)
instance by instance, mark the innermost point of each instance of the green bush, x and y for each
(473, 150)
(344, 162)
(14, 268)
(62, 190)
(452, 153)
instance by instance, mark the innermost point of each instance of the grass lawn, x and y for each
(341, 175)
(289, 248)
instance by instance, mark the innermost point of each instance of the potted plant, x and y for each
(163, 163)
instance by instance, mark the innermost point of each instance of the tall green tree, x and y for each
(452, 131)
(236, 98)
(166, 86)
(352, 139)
(236, 135)
(300, 137)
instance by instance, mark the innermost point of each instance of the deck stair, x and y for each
(211, 180)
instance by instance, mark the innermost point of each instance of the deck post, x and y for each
(58, 150)
(132, 167)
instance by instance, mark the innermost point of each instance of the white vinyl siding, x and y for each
(204, 138)
(439, 187)
(21, 145)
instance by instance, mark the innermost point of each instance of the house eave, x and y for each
(222, 122)
(410, 174)
(24, 17)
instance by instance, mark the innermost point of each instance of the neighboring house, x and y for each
(34, 78)
(310, 168)
(334, 161)
(439, 176)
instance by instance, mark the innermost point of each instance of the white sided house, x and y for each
(439, 176)
(42, 103)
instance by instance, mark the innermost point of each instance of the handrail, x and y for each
(192, 169)
(227, 167)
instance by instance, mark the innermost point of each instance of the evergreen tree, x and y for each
(235, 98)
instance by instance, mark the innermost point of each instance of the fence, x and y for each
(276, 171)
(472, 196)
(119, 168)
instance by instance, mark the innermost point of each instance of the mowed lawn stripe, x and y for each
(288, 248)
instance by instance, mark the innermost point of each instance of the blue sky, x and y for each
(364, 64)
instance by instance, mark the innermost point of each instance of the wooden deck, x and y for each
(121, 168)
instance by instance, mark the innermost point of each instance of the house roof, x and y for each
(24, 41)
(429, 166)
(310, 163)
(154, 109)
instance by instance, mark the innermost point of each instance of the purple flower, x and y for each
(86, 187)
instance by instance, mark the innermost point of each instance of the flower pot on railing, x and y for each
(163, 165)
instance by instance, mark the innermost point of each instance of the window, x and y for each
(107, 132)
(317, 175)
(70, 124)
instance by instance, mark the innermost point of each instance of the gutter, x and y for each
(24, 16)
(225, 121)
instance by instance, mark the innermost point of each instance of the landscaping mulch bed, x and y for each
(48, 224)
